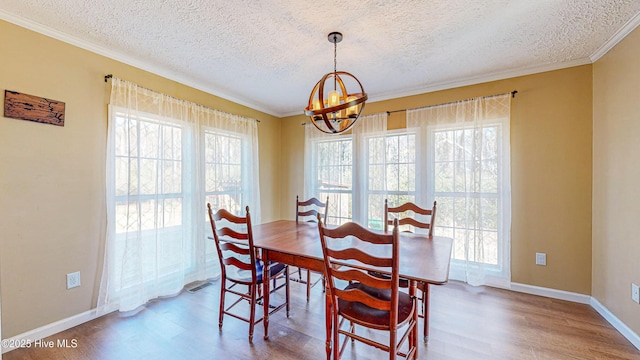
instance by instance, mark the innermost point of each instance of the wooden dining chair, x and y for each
(308, 210)
(399, 213)
(311, 208)
(368, 301)
(240, 265)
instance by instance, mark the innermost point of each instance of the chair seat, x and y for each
(359, 312)
(245, 275)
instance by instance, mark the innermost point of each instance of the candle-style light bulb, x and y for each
(351, 110)
(334, 98)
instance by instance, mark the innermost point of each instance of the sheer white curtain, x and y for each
(337, 165)
(466, 150)
(312, 181)
(328, 172)
(163, 165)
(370, 169)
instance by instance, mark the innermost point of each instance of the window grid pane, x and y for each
(223, 172)
(391, 172)
(148, 174)
(467, 190)
(335, 178)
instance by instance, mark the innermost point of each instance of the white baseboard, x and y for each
(619, 325)
(42, 332)
(551, 293)
(582, 299)
(64, 324)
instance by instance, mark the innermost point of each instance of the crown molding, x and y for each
(501, 75)
(208, 88)
(126, 59)
(625, 30)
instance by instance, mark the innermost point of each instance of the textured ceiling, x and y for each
(268, 54)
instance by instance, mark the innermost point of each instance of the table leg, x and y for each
(265, 289)
(425, 311)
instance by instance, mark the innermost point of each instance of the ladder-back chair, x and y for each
(240, 265)
(366, 300)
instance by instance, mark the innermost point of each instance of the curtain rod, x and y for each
(513, 94)
(110, 76)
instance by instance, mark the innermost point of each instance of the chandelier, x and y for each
(336, 110)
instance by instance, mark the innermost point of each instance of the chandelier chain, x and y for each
(335, 61)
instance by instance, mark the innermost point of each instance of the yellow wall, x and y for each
(616, 179)
(52, 178)
(550, 170)
(52, 208)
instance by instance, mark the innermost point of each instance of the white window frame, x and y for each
(360, 193)
(366, 192)
(172, 230)
(496, 273)
(161, 121)
(333, 217)
(243, 180)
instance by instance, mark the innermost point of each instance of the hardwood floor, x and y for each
(466, 323)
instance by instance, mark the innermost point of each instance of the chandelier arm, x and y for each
(315, 89)
(357, 101)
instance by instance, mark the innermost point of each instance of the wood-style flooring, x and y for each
(466, 323)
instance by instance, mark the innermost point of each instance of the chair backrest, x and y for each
(311, 207)
(349, 242)
(399, 211)
(235, 247)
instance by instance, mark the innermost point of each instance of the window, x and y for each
(467, 189)
(334, 159)
(152, 152)
(389, 168)
(165, 159)
(148, 189)
(223, 171)
(391, 173)
(456, 154)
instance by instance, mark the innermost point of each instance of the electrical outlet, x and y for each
(635, 293)
(541, 259)
(73, 280)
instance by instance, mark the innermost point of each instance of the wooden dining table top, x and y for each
(421, 259)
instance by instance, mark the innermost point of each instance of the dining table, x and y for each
(422, 259)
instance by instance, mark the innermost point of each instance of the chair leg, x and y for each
(328, 325)
(259, 291)
(223, 286)
(352, 329)
(252, 315)
(336, 335)
(415, 330)
(412, 338)
(308, 285)
(393, 344)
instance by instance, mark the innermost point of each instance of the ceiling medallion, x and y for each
(337, 110)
